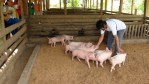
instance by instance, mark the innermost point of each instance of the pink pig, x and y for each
(102, 56)
(89, 49)
(79, 54)
(53, 40)
(75, 45)
(67, 38)
(117, 59)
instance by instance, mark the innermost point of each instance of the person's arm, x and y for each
(117, 44)
(100, 39)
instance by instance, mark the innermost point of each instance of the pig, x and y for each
(70, 48)
(53, 40)
(67, 38)
(102, 57)
(89, 49)
(117, 59)
(88, 44)
(75, 45)
(79, 54)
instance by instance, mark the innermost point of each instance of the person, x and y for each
(116, 29)
(10, 17)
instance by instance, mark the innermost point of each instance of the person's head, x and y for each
(100, 24)
(9, 3)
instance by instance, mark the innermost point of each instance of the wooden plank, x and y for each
(82, 16)
(13, 57)
(135, 31)
(125, 34)
(10, 28)
(145, 31)
(139, 28)
(12, 39)
(78, 20)
(129, 31)
(28, 68)
(141, 31)
(10, 50)
(132, 31)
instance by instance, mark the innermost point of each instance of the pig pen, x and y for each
(53, 66)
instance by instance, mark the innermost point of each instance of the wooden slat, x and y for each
(83, 16)
(129, 31)
(135, 31)
(4, 57)
(10, 28)
(132, 31)
(139, 29)
(125, 34)
(13, 39)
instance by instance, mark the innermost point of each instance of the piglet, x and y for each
(89, 49)
(117, 59)
(54, 40)
(76, 45)
(79, 54)
(102, 56)
(67, 38)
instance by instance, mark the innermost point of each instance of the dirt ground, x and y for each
(52, 66)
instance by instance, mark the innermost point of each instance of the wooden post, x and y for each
(60, 4)
(111, 6)
(47, 4)
(43, 4)
(40, 4)
(21, 7)
(146, 8)
(135, 11)
(106, 2)
(132, 6)
(120, 7)
(97, 5)
(25, 7)
(101, 7)
(90, 4)
(2, 27)
(65, 7)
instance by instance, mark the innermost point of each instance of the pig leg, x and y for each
(66, 51)
(88, 64)
(119, 64)
(78, 59)
(112, 68)
(87, 61)
(101, 64)
(54, 44)
(96, 63)
(73, 57)
(51, 44)
(123, 62)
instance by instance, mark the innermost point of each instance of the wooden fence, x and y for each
(82, 25)
(11, 48)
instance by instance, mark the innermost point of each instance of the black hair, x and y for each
(100, 24)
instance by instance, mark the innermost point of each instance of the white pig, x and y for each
(53, 40)
(102, 56)
(117, 59)
(89, 49)
(75, 45)
(68, 38)
(79, 54)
